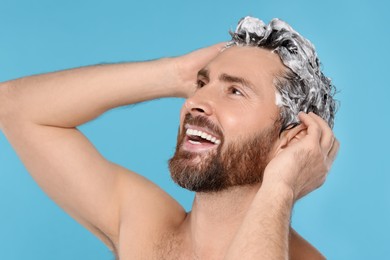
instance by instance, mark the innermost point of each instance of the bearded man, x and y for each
(254, 137)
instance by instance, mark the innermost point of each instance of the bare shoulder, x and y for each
(300, 249)
(147, 214)
(141, 197)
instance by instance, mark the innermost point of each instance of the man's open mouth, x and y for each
(198, 136)
(198, 140)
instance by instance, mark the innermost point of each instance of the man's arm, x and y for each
(299, 167)
(39, 116)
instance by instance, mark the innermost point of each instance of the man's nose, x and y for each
(200, 103)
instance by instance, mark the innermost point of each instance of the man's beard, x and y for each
(240, 164)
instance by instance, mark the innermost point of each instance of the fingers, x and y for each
(327, 137)
(209, 52)
(332, 155)
(313, 128)
(320, 129)
(186, 67)
(219, 46)
(334, 150)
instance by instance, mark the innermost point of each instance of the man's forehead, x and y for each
(252, 63)
(252, 56)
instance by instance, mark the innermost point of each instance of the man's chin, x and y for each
(195, 172)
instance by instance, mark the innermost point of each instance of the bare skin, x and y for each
(132, 216)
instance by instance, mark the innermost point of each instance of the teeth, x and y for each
(203, 135)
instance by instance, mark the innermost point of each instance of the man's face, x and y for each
(229, 126)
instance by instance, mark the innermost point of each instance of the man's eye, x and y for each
(235, 91)
(200, 83)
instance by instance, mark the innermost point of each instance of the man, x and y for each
(244, 146)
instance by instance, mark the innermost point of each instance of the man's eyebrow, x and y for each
(233, 79)
(205, 73)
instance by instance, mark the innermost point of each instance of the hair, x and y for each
(303, 87)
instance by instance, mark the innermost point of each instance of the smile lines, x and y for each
(206, 136)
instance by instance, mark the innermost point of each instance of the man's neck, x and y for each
(215, 218)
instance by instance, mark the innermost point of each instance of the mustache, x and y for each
(203, 122)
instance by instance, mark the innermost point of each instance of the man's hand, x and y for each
(187, 66)
(303, 164)
(300, 165)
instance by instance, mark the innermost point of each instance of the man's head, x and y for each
(230, 128)
(303, 86)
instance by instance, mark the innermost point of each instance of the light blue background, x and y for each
(348, 218)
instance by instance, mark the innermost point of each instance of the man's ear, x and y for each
(290, 136)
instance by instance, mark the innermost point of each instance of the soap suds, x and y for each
(304, 87)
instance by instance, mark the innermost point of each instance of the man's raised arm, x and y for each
(299, 167)
(39, 116)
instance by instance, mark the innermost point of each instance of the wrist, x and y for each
(184, 76)
(170, 78)
(173, 82)
(284, 181)
(278, 191)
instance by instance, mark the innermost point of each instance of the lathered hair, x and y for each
(303, 87)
